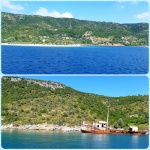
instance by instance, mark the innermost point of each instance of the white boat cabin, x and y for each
(101, 125)
(133, 128)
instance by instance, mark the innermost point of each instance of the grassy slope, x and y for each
(33, 29)
(28, 103)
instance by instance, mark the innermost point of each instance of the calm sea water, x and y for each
(74, 60)
(61, 140)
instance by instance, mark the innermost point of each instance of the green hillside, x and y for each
(19, 28)
(26, 101)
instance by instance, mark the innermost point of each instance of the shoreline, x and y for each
(71, 45)
(43, 45)
(45, 126)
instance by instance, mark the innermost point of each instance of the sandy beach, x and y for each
(71, 45)
(46, 45)
(53, 45)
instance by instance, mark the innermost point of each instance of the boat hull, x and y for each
(96, 131)
(138, 133)
(113, 132)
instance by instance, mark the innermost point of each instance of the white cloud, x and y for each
(144, 15)
(11, 6)
(44, 12)
(134, 2)
(123, 3)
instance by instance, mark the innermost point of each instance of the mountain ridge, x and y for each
(48, 84)
(63, 31)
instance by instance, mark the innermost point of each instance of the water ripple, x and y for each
(74, 60)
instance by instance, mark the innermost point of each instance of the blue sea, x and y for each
(74, 60)
(63, 140)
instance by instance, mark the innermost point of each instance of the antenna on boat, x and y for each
(107, 116)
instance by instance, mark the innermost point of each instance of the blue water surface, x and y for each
(74, 60)
(60, 140)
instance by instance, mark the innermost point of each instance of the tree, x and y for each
(120, 123)
(116, 125)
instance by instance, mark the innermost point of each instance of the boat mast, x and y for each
(107, 117)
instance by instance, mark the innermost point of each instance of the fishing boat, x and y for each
(98, 127)
(102, 127)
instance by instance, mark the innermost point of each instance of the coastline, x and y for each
(45, 45)
(52, 45)
(71, 45)
(45, 126)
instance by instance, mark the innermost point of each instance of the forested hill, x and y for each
(19, 28)
(26, 101)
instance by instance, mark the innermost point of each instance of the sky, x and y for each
(114, 86)
(108, 11)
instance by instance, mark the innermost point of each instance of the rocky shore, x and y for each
(49, 127)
